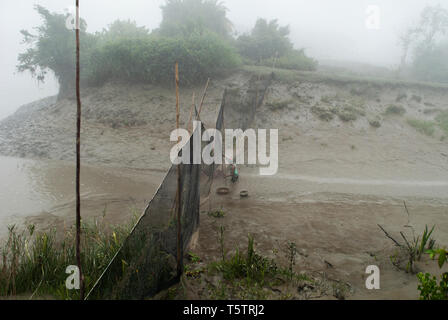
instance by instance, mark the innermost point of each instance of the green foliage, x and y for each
(35, 263)
(123, 29)
(278, 105)
(348, 113)
(267, 40)
(152, 60)
(417, 246)
(269, 45)
(194, 258)
(183, 18)
(296, 60)
(423, 126)
(53, 48)
(252, 276)
(123, 51)
(323, 113)
(217, 214)
(291, 256)
(442, 121)
(442, 255)
(413, 248)
(252, 267)
(426, 241)
(395, 110)
(430, 290)
(428, 287)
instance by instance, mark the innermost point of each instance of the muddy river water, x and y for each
(43, 192)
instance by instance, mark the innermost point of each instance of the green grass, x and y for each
(34, 263)
(278, 105)
(442, 121)
(249, 275)
(426, 127)
(250, 266)
(284, 75)
(217, 214)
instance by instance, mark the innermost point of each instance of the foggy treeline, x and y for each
(411, 40)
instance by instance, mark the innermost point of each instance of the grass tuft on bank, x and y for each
(33, 264)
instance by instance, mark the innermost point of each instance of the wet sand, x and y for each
(337, 234)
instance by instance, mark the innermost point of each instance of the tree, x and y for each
(186, 17)
(267, 40)
(431, 63)
(124, 29)
(52, 48)
(432, 26)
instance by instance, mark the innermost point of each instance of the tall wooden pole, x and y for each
(78, 159)
(190, 118)
(203, 96)
(179, 181)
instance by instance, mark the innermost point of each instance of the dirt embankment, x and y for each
(320, 120)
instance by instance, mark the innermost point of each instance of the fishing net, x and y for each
(148, 261)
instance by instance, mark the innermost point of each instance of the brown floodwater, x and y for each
(43, 192)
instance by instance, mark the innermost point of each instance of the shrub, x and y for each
(430, 290)
(375, 123)
(322, 113)
(123, 29)
(428, 287)
(53, 48)
(278, 105)
(152, 60)
(183, 18)
(295, 60)
(442, 121)
(347, 116)
(422, 126)
(267, 40)
(123, 51)
(269, 45)
(395, 110)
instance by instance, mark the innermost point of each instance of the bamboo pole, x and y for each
(179, 233)
(190, 124)
(78, 159)
(203, 96)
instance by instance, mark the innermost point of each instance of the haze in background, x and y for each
(328, 29)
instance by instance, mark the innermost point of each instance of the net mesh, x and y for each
(147, 261)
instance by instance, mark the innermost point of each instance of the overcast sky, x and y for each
(328, 29)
